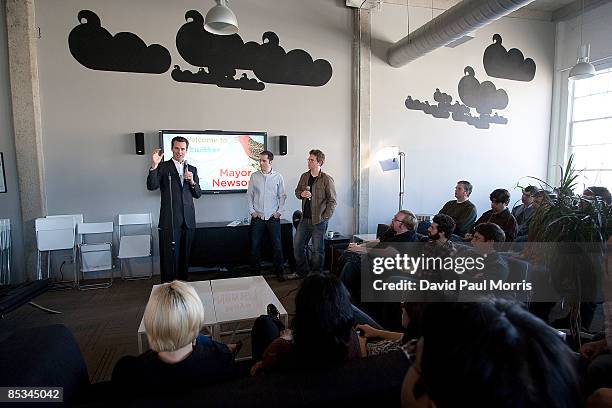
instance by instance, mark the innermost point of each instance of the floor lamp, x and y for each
(390, 159)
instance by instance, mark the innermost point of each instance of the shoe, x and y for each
(273, 312)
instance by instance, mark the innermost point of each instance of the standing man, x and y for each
(318, 194)
(179, 185)
(266, 199)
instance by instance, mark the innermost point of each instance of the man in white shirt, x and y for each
(266, 199)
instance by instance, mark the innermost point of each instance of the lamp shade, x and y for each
(221, 20)
(583, 68)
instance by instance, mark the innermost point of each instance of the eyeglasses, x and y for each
(396, 220)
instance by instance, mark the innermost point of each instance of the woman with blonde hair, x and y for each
(179, 357)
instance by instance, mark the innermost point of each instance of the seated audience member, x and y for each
(598, 191)
(499, 214)
(486, 237)
(524, 212)
(439, 246)
(402, 229)
(321, 334)
(489, 354)
(173, 318)
(461, 210)
(377, 341)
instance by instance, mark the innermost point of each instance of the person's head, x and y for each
(486, 235)
(173, 317)
(265, 160)
(442, 226)
(499, 355)
(463, 189)
(179, 148)
(323, 322)
(500, 197)
(316, 158)
(599, 191)
(404, 221)
(538, 198)
(528, 195)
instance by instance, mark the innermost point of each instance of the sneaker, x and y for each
(273, 312)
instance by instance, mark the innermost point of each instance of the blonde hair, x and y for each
(173, 317)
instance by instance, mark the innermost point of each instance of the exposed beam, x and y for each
(574, 9)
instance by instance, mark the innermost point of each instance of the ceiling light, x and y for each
(583, 68)
(221, 20)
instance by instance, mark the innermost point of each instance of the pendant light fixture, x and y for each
(583, 68)
(221, 20)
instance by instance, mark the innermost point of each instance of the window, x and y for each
(591, 129)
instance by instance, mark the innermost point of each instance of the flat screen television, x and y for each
(225, 159)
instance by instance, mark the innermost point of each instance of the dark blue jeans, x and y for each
(305, 231)
(258, 229)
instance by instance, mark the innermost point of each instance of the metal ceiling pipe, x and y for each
(454, 23)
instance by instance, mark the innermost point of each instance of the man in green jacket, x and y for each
(461, 210)
(318, 194)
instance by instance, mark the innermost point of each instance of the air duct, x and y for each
(457, 21)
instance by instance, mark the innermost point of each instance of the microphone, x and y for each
(185, 168)
(308, 189)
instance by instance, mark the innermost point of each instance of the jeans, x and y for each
(305, 231)
(258, 229)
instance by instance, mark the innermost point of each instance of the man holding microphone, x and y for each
(179, 185)
(317, 191)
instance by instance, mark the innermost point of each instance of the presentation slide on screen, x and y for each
(224, 161)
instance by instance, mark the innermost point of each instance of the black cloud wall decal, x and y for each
(511, 64)
(95, 48)
(484, 97)
(222, 55)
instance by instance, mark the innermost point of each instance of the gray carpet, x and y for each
(105, 321)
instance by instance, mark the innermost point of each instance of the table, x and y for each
(242, 300)
(230, 302)
(215, 244)
(204, 291)
(359, 238)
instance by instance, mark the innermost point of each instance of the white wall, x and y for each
(441, 151)
(89, 117)
(9, 201)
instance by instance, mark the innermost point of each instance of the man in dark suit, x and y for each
(179, 186)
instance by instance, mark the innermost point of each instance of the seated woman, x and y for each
(322, 330)
(173, 319)
(490, 354)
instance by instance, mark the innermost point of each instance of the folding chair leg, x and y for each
(46, 309)
(38, 271)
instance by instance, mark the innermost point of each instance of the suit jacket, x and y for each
(182, 195)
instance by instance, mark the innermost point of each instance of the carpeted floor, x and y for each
(105, 321)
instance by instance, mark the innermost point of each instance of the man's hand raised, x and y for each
(156, 157)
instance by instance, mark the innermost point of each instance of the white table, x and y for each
(364, 237)
(204, 291)
(231, 302)
(242, 300)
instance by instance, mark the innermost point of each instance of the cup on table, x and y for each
(330, 234)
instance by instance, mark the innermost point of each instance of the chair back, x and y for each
(135, 219)
(55, 233)
(87, 228)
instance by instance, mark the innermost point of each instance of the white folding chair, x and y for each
(78, 219)
(5, 251)
(95, 256)
(54, 234)
(135, 246)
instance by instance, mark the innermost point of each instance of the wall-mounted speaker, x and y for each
(282, 145)
(139, 139)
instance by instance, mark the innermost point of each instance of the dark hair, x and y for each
(323, 322)
(501, 195)
(467, 186)
(179, 139)
(531, 190)
(446, 224)
(599, 191)
(318, 154)
(491, 232)
(268, 153)
(499, 355)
